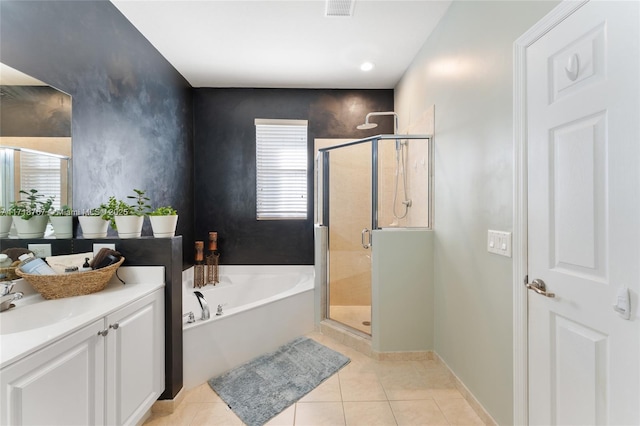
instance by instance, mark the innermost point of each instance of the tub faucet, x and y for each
(203, 304)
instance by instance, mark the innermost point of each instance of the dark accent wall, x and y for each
(34, 111)
(132, 111)
(224, 163)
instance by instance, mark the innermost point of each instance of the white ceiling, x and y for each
(12, 77)
(285, 44)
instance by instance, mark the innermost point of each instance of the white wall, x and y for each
(465, 70)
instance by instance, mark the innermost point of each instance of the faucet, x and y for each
(6, 297)
(204, 305)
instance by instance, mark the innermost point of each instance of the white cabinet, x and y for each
(109, 372)
(62, 384)
(135, 359)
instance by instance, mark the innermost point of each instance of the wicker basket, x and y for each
(10, 272)
(74, 284)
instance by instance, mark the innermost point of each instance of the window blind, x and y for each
(281, 169)
(41, 172)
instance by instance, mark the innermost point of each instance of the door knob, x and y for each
(539, 287)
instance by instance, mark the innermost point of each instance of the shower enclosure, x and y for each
(362, 187)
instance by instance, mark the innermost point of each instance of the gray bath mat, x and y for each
(262, 388)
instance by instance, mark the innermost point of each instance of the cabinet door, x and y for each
(135, 359)
(62, 384)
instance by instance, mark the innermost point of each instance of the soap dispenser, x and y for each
(34, 265)
(85, 265)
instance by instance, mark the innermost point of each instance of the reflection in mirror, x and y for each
(35, 138)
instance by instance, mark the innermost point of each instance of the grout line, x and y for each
(395, 419)
(295, 412)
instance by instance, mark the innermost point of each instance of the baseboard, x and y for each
(403, 356)
(168, 406)
(467, 395)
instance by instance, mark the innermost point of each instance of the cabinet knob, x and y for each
(114, 326)
(103, 332)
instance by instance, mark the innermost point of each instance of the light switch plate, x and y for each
(98, 246)
(499, 242)
(40, 250)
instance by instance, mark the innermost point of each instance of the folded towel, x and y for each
(59, 263)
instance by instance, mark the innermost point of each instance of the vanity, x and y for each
(94, 359)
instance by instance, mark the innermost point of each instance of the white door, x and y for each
(583, 150)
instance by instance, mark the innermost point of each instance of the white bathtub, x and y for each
(263, 307)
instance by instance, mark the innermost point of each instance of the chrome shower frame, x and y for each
(323, 216)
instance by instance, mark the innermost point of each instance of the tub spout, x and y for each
(204, 305)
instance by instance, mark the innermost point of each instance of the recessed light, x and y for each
(366, 66)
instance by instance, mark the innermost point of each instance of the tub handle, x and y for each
(366, 231)
(191, 318)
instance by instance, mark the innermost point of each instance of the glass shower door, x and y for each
(349, 205)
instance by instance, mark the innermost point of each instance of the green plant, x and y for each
(63, 211)
(113, 208)
(164, 211)
(34, 205)
(141, 205)
(4, 211)
(97, 211)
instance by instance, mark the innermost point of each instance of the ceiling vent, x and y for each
(339, 8)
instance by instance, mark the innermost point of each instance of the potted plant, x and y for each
(128, 219)
(95, 222)
(31, 215)
(62, 222)
(5, 222)
(163, 221)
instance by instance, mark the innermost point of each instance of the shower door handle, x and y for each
(366, 232)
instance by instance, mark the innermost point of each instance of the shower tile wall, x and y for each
(417, 169)
(350, 212)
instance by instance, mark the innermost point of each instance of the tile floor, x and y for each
(353, 316)
(365, 392)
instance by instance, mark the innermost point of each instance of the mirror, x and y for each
(35, 138)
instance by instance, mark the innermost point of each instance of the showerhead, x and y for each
(367, 126)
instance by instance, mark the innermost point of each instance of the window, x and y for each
(41, 171)
(281, 169)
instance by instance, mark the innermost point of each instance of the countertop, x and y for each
(35, 322)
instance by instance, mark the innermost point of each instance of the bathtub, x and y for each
(263, 307)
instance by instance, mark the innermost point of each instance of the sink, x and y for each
(34, 312)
